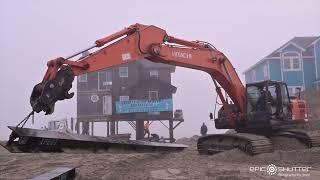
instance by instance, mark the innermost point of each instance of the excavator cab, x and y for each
(269, 106)
(267, 101)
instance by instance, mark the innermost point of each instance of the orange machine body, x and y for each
(153, 43)
(299, 110)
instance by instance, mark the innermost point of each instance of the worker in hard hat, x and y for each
(146, 129)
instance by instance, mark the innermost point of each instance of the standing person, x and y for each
(146, 129)
(204, 129)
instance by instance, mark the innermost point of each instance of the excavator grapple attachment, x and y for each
(46, 94)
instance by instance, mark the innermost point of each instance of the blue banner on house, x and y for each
(133, 106)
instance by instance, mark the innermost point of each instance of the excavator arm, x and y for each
(142, 42)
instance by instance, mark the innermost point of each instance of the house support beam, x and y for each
(108, 128)
(112, 127)
(139, 129)
(171, 130)
(92, 128)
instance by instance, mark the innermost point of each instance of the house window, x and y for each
(265, 71)
(253, 76)
(107, 105)
(295, 63)
(104, 80)
(291, 63)
(109, 78)
(123, 71)
(154, 73)
(286, 63)
(123, 98)
(294, 89)
(83, 78)
(153, 95)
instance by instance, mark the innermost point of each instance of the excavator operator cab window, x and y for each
(265, 101)
(285, 109)
(263, 96)
(253, 94)
(270, 98)
(285, 94)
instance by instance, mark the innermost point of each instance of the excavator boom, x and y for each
(142, 42)
(256, 112)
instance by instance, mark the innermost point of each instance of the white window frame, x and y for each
(107, 82)
(126, 69)
(99, 88)
(154, 73)
(294, 89)
(83, 78)
(291, 59)
(265, 71)
(153, 92)
(124, 98)
(105, 109)
(253, 76)
(154, 113)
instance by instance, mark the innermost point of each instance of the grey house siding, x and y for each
(91, 85)
(86, 107)
(137, 86)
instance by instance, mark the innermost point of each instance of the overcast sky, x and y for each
(33, 32)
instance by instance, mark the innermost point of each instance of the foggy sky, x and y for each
(33, 32)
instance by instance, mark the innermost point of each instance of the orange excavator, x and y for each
(256, 111)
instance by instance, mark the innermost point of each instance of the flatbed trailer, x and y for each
(27, 140)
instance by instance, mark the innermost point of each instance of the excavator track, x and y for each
(250, 143)
(309, 138)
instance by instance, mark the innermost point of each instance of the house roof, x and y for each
(300, 42)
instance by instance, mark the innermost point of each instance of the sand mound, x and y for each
(3, 150)
(303, 156)
(192, 141)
